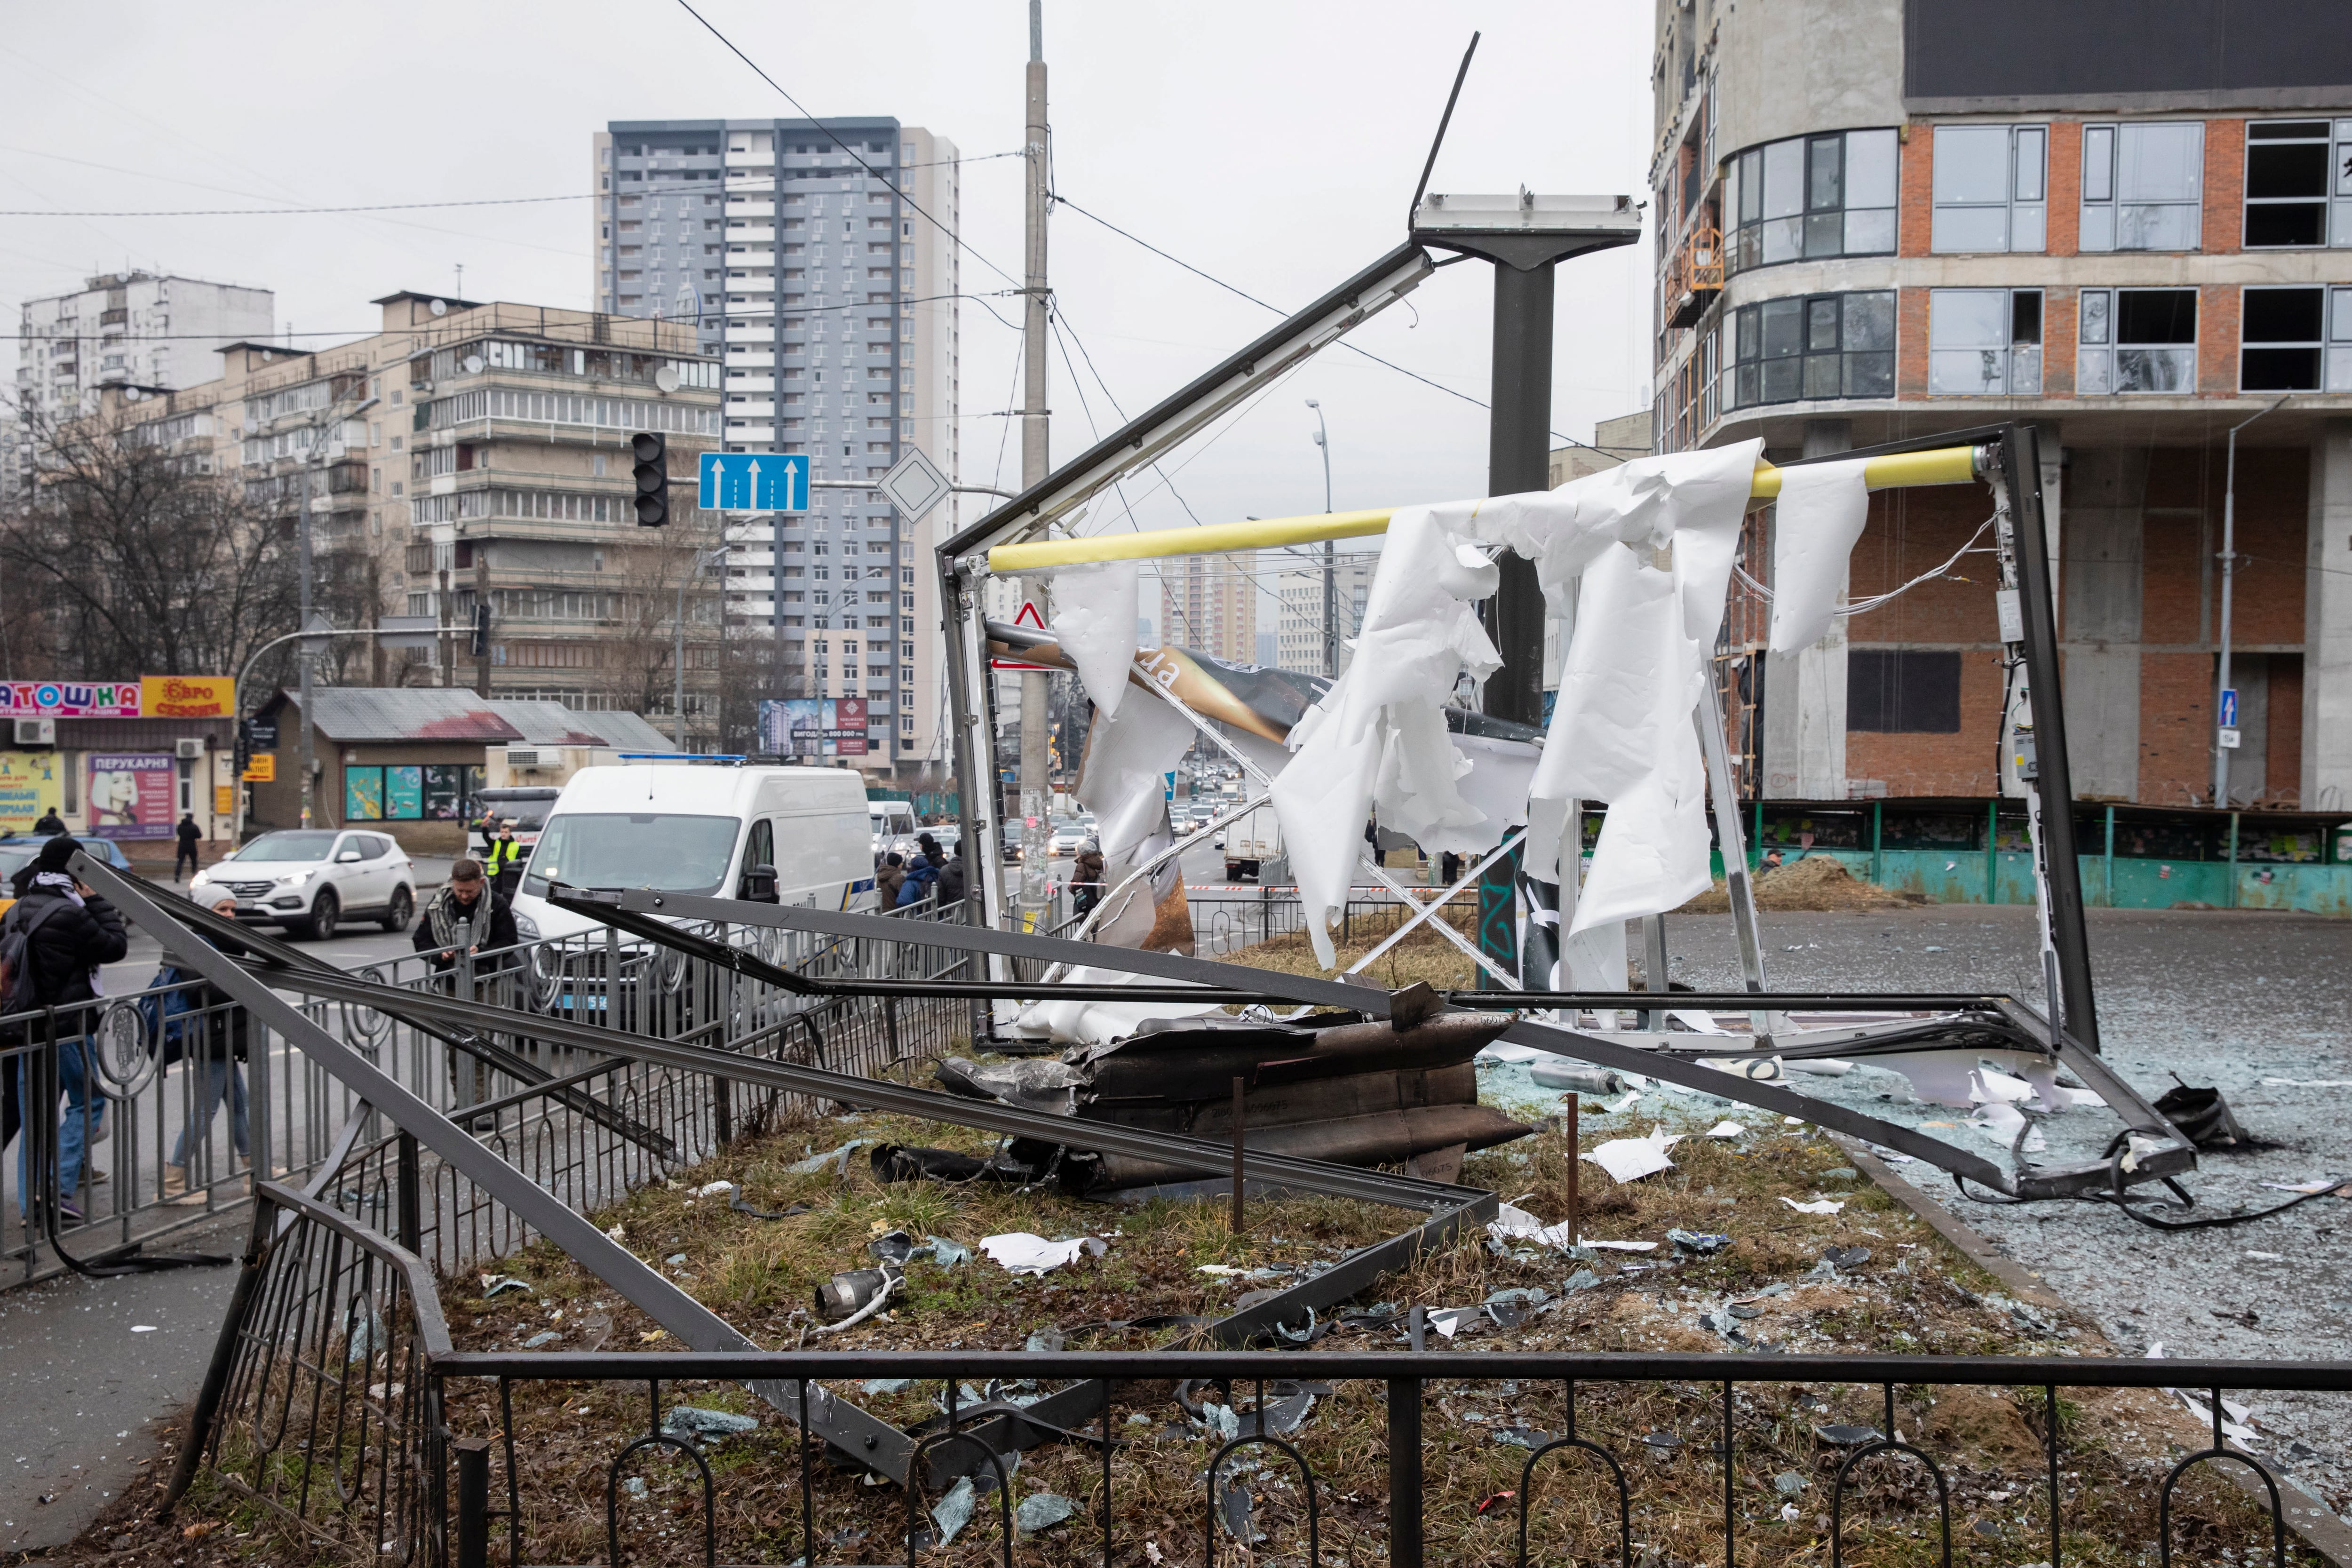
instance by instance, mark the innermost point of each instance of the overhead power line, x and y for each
(1268, 305)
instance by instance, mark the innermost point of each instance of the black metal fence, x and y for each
(1228, 918)
(336, 1402)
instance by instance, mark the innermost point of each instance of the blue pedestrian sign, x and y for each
(755, 481)
(2229, 708)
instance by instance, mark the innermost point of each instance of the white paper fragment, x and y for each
(1988, 1085)
(1630, 1159)
(1516, 1225)
(1021, 1252)
(2002, 1121)
(1818, 1206)
(714, 1189)
(1755, 1070)
(1727, 1130)
(1632, 1096)
(1093, 622)
(1506, 1051)
(1819, 517)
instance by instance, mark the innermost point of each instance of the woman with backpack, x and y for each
(52, 943)
(213, 1035)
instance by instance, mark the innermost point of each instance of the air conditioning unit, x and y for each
(37, 731)
(527, 757)
(189, 749)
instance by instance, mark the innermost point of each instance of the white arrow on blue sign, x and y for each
(2229, 708)
(755, 481)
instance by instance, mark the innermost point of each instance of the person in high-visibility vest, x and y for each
(504, 862)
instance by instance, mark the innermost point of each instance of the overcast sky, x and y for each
(1274, 146)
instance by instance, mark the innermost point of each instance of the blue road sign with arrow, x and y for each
(755, 481)
(2229, 708)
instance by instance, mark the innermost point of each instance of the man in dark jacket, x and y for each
(888, 876)
(951, 880)
(50, 822)
(216, 1039)
(73, 931)
(466, 899)
(190, 835)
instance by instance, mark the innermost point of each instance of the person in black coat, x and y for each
(189, 835)
(50, 823)
(74, 930)
(951, 880)
(216, 1040)
(468, 898)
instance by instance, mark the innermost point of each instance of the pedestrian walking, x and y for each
(215, 1044)
(190, 835)
(887, 879)
(1086, 880)
(52, 943)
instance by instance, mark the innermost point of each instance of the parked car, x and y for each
(308, 879)
(1071, 833)
(19, 850)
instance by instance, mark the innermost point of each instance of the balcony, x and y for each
(1695, 277)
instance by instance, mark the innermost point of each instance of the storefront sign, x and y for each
(130, 795)
(30, 784)
(261, 768)
(71, 699)
(186, 696)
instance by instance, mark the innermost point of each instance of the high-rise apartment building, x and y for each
(2131, 227)
(817, 261)
(472, 454)
(1209, 603)
(1298, 636)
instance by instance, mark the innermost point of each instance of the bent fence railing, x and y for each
(317, 1405)
(335, 1401)
(165, 1104)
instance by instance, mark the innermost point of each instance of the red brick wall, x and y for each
(2058, 317)
(1910, 532)
(2065, 190)
(2225, 188)
(2283, 757)
(2176, 728)
(2217, 336)
(1911, 342)
(1914, 191)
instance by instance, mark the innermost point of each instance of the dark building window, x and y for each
(2296, 340)
(2293, 167)
(1814, 347)
(2136, 340)
(1894, 691)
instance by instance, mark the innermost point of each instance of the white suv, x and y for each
(306, 880)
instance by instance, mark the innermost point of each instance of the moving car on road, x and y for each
(308, 879)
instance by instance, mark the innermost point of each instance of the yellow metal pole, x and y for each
(1903, 470)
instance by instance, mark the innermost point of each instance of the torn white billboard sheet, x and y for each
(1630, 1159)
(1378, 732)
(1126, 759)
(1099, 1023)
(1819, 517)
(1093, 622)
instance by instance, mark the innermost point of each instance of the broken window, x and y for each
(1984, 342)
(2295, 169)
(1903, 691)
(2136, 340)
(2143, 185)
(1989, 190)
(1814, 347)
(1813, 197)
(2296, 340)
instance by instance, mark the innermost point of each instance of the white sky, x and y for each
(1274, 146)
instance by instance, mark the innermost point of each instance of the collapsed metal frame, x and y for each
(181, 928)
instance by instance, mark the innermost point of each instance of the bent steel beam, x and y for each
(694, 1324)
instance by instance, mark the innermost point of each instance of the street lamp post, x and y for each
(1330, 592)
(2229, 579)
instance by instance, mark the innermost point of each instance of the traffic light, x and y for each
(481, 649)
(244, 746)
(653, 478)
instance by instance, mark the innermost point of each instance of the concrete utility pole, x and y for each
(1037, 788)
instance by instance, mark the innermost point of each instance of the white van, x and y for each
(699, 829)
(893, 826)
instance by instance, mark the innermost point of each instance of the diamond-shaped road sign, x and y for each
(914, 484)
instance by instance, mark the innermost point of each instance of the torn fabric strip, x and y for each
(1819, 517)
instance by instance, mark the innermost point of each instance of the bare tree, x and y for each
(125, 558)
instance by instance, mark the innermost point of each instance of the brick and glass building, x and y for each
(2129, 227)
(818, 263)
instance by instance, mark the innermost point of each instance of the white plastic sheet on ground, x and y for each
(1819, 517)
(1630, 1159)
(1099, 1023)
(1093, 622)
(1379, 733)
(1022, 1252)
